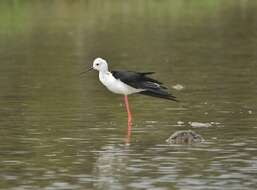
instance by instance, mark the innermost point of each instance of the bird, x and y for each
(129, 82)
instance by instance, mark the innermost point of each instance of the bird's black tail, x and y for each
(159, 94)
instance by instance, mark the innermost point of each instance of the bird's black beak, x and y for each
(84, 72)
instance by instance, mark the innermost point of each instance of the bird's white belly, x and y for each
(117, 86)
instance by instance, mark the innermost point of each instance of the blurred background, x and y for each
(60, 130)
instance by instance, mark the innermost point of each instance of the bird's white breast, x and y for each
(115, 85)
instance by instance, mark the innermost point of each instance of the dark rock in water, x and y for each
(185, 137)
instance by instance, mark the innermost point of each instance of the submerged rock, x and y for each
(185, 137)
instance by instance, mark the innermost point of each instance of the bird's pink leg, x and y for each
(128, 110)
(129, 119)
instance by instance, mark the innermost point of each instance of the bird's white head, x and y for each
(100, 64)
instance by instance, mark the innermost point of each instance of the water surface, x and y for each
(63, 131)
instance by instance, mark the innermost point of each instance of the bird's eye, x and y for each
(97, 64)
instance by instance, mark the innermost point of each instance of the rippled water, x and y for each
(63, 131)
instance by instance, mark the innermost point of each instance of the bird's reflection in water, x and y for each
(110, 167)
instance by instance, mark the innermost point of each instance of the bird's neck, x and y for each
(103, 75)
(104, 72)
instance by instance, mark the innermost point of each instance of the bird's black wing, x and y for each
(133, 79)
(138, 80)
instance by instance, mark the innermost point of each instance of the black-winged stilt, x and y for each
(129, 82)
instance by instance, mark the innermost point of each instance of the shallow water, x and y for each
(63, 131)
